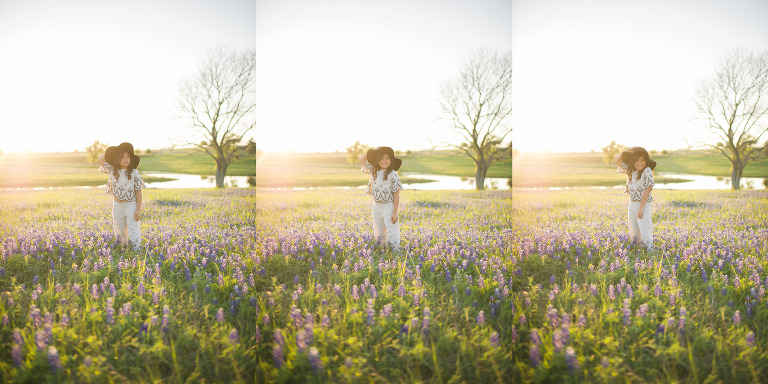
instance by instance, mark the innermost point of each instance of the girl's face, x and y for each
(125, 160)
(640, 163)
(384, 161)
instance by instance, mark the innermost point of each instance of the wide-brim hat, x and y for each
(112, 154)
(375, 153)
(630, 155)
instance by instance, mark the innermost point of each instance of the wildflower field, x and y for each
(289, 286)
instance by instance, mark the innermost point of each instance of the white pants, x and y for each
(640, 230)
(124, 223)
(383, 228)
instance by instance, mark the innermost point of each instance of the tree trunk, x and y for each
(736, 171)
(221, 171)
(480, 172)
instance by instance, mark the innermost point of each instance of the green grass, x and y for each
(331, 169)
(588, 169)
(72, 169)
(540, 264)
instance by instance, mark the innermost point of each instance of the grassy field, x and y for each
(547, 289)
(331, 169)
(72, 169)
(587, 169)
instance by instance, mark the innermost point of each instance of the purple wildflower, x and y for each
(278, 337)
(736, 318)
(16, 355)
(110, 312)
(495, 339)
(533, 354)
(355, 293)
(750, 339)
(513, 331)
(301, 340)
(220, 315)
(522, 319)
(480, 318)
(53, 359)
(314, 360)
(40, 341)
(326, 321)
(570, 359)
(17, 339)
(233, 336)
(257, 334)
(557, 340)
(277, 355)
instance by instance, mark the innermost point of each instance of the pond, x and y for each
(182, 180)
(710, 182)
(442, 182)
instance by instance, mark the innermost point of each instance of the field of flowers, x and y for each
(289, 286)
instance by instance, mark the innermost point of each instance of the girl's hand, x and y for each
(137, 215)
(394, 217)
(640, 213)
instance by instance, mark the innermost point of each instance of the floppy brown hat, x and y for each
(630, 155)
(376, 152)
(112, 153)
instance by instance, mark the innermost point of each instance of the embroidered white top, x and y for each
(122, 188)
(382, 190)
(636, 187)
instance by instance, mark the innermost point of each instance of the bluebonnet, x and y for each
(495, 339)
(314, 360)
(54, 360)
(570, 359)
(750, 339)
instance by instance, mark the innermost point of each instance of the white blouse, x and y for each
(636, 187)
(122, 188)
(382, 190)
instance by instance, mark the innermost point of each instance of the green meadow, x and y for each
(73, 169)
(305, 170)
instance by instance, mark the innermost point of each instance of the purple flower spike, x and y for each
(570, 359)
(314, 360)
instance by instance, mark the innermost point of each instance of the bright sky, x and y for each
(591, 71)
(77, 71)
(334, 72)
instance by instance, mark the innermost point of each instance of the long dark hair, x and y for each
(376, 166)
(115, 162)
(631, 166)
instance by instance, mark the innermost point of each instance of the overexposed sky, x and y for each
(76, 71)
(591, 71)
(338, 71)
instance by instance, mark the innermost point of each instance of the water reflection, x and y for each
(710, 182)
(196, 181)
(453, 182)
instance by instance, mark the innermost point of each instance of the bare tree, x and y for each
(734, 104)
(220, 102)
(477, 103)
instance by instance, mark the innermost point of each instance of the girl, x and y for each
(639, 169)
(384, 187)
(124, 186)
